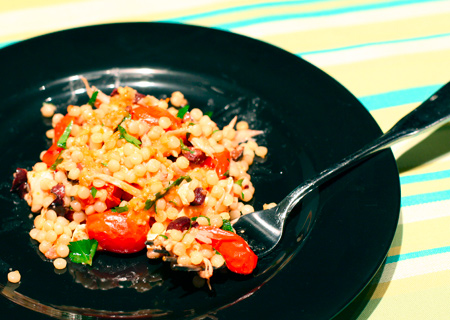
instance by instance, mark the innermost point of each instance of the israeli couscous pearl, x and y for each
(59, 263)
(14, 276)
(48, 110)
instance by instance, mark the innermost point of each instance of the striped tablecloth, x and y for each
(391, 54)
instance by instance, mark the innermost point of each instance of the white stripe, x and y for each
(70, 15)
(346, 19)
(415, 267)
(426, 211)
(354, 55)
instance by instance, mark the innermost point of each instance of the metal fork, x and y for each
(263, 229)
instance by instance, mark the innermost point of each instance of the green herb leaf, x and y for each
(93, 98)
(83, 251)
(63, 139)
(209, 114)
(174, 203)
(93, 192)
(182, 111)
(149, 203)
(57, 161)
(226, 225)
(239, 182)
(242, 195)
(127, 117)
(227, 173)
(164, 236)
(127, 137)
(184, 148)
(104, 164)
(120, 209)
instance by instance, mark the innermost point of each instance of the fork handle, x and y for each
(434, 111)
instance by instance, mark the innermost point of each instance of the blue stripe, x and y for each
(273, 18)
(399, 97)
(417, 254)
(5, 44)
(319, 13)
(369, 44)
(246, 8)
(425, 177)
(425, 198)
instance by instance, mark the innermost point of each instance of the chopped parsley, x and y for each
(57, 161)
(209, 114)
(93, 99)
(120, 209)
(63, 139)
(129, 138)
(226, 225)
(181, 113)
(195, 219)
(104, 164)
(93, 192)
(127, 117)
(184, 148)
(239, 182)
(149, 203)
(83, 251)
(164, 236)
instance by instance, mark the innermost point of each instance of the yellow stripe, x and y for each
(425, 187)
(338, 37)
(27, 4)
(393, 73)
(412, 284)
(421, 297)
(421, 235)
(387, 117)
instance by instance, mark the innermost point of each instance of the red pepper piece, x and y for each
(151, 115)
(52, 153)
(117, 232)
(236, 252)
(61, 126)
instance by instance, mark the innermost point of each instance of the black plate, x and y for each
(335, 241)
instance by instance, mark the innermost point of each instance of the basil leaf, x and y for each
(184, 148)
(120, 209)
(93, 99)
(127, 137)
(83, 251)
(63, 139)
(182, 111)
(93, 192)
(57, 161)
(226, 225)
(239, 182)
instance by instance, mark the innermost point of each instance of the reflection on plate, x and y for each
(309, 122)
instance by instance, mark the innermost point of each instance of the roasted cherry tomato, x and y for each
(151, 115)
(116, 232)
(220, 163)
(236, 252)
